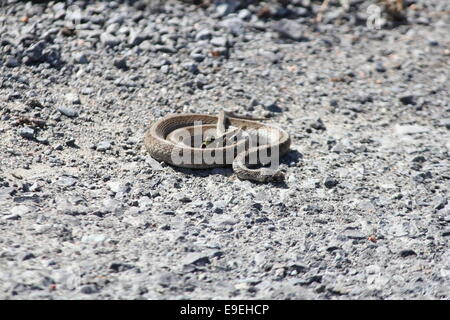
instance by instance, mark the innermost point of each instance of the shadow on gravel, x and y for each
(291, 158)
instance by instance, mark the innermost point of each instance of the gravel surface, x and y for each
(85, 213)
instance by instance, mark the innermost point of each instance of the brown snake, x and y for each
(179, 140)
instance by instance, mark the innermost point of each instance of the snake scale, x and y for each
(172, 139)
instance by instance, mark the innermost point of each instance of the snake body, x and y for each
(166, 141)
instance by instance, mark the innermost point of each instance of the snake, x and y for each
(202, 141)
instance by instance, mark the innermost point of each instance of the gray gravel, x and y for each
(85, 213)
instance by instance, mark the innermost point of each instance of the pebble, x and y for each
(354, 234)
(272, 106)
(89, 289)
(244, 14)
(410, 129)
(109, 40)
(234, 25)
(35, 52)
(121, 63)
(330, 182)
(407, 99)
(72, 98)
(67, 181)
(291, 30)
(146, 45)
(136, 38)
(225, 8)
(118, 187)
(407, 252)
(379, 67)
(204, 34)
(80, 58)
(20, 210)
(27, 133)
(197, 56)
(104, 145)
(94, 238)
(67, 111)
(195, 258)
(11, 62)
(219, 41)
(11, 217)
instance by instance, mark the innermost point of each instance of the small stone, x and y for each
(121, 63)
(318, 125)
(112, 205)
(191, 67)
(34, 53)
(35, 104)
(226, 220)
(27, 133)
(103, 145)
(379, 67)
(291, 30)
(234, 25)
(373, 269)
(164, 49)
(71, 143)
(225, 8)
(35, 187)
(185, 199)
(109, 40)
(146, 45)
(198, 57)
(407, 252)
(204, 34)
(244, 14)
(410, 129)
(20, 210)
(11, 217)
(330, 182)
(136, 38)
(219, 41)
(120, 267)
(165, 279)
(69, 112)
(273, 107)
(445, 123)
(354, 235)
(11, 62)
(196, 258)
(28, 256)
(89, 289)
(118, 187)
(219, 206)
(407, 99)
(73, 98)
(338, 148)
(67, 181)
(260, 258)
(419, 159)
(80, 58)
(421, 177)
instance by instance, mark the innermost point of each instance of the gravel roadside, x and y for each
(85, 213)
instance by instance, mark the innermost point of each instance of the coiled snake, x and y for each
(201, 141)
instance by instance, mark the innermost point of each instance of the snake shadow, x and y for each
(291, 158)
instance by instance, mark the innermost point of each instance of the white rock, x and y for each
(73, 98)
